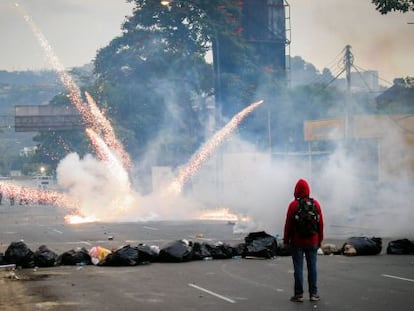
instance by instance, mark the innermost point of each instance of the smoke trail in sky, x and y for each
(207, 149)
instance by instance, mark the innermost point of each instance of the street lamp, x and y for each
(165, 2)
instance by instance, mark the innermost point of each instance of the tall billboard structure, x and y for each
(257, 55)
(265, 30)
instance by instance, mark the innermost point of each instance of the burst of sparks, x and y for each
(78, 219)
(115, 167)
(91, 115)
(99, 125)
(27, 194)
(66, 79)
(218, 214)
(107, 130)
(207, 149)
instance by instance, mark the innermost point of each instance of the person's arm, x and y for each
(321, 225)
(287, 235)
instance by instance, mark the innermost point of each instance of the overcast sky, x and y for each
(320, 29)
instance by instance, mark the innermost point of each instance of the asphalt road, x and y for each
(382, 282)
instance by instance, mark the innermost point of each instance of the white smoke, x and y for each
(99, 193)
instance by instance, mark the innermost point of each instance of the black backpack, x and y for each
(306, 218)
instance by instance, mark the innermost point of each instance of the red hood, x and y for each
(302, 189)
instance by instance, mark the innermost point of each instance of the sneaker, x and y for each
(314, 298)
(297, 298)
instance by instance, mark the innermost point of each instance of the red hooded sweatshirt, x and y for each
(291, 237)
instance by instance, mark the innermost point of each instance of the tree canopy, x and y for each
(387, 6)
(154, 84)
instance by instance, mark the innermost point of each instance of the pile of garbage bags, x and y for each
(255, 245)
(360, 246)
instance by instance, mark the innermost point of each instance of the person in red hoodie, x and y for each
(300, 245)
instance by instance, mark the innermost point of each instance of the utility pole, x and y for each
(348, 62)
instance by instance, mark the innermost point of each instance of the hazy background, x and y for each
(320, 29)
(260, 188)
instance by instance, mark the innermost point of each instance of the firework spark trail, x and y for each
(115, 167)
(91, 115)
(36, 196)
(74, 92)
(207, 149)
(109, 136)
(100, 152)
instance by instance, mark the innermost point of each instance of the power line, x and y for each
(335, 61)
(398, 126)
(379, 78)
(362, 78)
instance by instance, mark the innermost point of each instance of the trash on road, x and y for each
(360, 246)
(20, 254)
(76, 256)
(400, 247)
(98, 253)
(44, 257)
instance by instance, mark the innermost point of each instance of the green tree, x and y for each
(398, 99)
(53, 146)
(387, 6)
(154, 77)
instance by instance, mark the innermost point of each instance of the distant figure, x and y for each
(303, 235)
(11, 199)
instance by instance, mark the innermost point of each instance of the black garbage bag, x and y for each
(220, 250)
(239, 250)
(200, 251)
(2, 260)
(146, 253)
(362, 246)
(78, 256)
(176, 251)
(260, 244)
(125, 256)
(19, 254)
(44, 257)
(400, 247)
(283, 250)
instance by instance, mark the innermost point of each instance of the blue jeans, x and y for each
(310, 253)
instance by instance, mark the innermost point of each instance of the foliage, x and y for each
(53, 146)
(153, 83)
(387, 6)
(398, 99)
(154, 76)
(304, 73)
(21, 88)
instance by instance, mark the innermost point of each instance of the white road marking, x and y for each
(57, 231)
(212, 293)
(203, 239)
(397, 277)
(150, 228)
(76, 242)
(145, 241)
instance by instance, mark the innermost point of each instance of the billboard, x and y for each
(329, 129)
(31, 118)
